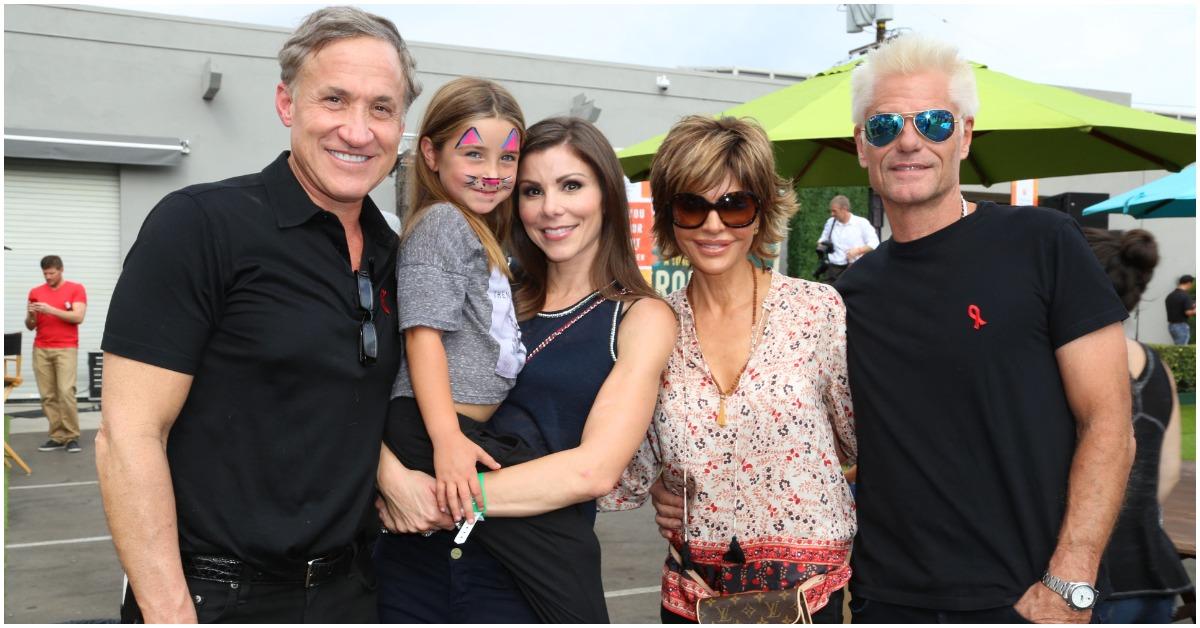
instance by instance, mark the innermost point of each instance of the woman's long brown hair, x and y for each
(615, 259)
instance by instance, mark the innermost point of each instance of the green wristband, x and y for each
(482, 496)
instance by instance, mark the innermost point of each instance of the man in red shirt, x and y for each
(55, 310)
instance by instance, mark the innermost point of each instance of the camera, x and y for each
(824, 247)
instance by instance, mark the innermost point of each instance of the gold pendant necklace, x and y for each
(721, 393)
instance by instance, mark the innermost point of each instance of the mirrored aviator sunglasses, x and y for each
(735, 209)
(936, 125)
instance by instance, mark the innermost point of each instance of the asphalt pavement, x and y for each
(60, 565)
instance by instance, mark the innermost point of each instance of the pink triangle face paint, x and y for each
(512, 143)
(471, 136)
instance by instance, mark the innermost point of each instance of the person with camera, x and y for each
(844, 239)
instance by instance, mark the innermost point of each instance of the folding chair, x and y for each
(95, 361)
(12, 355)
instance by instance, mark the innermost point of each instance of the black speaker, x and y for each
(1073, 203)
(875, 213)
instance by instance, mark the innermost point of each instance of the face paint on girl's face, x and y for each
(479, 172)
(488, 184)
(512, 143)
(471, 136)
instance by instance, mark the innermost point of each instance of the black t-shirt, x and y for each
(246, 285)
(1178, 303)
(965, 437)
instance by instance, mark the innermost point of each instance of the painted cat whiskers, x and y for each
(488, 184)
(512, 144)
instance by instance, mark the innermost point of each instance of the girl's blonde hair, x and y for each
(455, 104)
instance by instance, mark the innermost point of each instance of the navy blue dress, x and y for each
(544, 568)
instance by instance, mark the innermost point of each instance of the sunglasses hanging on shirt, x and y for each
(368, 340)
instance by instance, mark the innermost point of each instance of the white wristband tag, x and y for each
(465, 530)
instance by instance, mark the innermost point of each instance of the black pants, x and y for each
(433, 580)
(348, 599)
(834, 271)
(831, 613)
(553, 557)
(867, 611)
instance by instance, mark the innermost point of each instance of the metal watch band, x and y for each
(1064, 589)
(1058, 585)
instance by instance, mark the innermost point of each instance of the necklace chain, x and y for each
(573, 308)
(721, 392)
(558, 332)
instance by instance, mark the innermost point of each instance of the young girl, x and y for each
(462, 345)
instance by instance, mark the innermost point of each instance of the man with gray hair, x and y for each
(987, 364)
(846, 238)
(250, 349)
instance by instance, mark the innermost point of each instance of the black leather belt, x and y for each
(310, 574)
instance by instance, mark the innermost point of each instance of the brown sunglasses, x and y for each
(735, 209)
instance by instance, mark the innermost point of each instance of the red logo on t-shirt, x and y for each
(974, 313)
(383, 301)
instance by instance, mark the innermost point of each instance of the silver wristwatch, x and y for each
(1080, 596)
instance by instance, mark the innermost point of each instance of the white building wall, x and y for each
(84, 69)
(76, 69)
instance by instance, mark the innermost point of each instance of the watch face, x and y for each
(1083, 597)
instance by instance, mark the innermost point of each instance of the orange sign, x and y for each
(666, 276)
(1024, 192)
(641, 223)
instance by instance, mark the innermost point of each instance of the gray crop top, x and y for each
(444, 282)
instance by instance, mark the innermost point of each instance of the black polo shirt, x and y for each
(246, 285)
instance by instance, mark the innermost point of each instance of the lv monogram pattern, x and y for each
(761, 607)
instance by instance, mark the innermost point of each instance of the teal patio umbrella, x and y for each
(1173, 196)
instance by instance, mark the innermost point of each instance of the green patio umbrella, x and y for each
(1023, 130)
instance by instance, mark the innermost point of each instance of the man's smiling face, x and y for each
(346, 112)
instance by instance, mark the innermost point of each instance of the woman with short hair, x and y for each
(754, 416)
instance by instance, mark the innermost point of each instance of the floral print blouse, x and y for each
(771, 477)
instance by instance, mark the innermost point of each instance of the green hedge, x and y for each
(1182, 361)
(805, 226)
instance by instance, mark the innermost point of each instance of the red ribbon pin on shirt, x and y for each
(974, 313)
